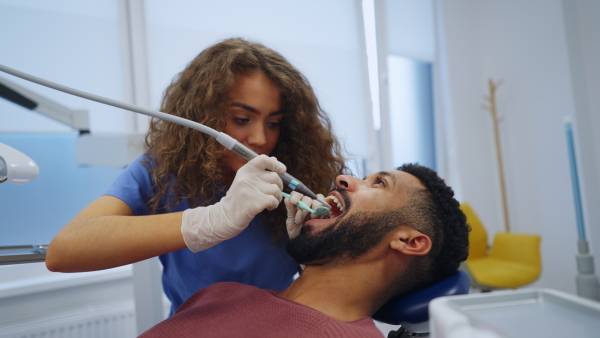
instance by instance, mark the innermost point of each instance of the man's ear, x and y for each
(409, 241)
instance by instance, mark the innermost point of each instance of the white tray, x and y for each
(520, 313)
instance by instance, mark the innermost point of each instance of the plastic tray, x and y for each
(521, 313)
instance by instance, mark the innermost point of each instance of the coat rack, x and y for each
(491, 107)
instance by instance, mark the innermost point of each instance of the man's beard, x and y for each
(347, 238)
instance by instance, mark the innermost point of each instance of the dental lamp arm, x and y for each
(78, 119)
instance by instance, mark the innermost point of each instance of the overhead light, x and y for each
(16, 167)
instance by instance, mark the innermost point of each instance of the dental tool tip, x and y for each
(325, 204)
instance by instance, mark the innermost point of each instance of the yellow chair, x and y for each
(512, 261)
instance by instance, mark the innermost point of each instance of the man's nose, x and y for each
(346, 182)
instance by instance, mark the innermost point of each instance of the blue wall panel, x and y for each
(34, 212)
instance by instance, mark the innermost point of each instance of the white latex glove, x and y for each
(295, 215)
(253, 190)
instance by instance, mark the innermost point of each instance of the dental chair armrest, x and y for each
(413, 307)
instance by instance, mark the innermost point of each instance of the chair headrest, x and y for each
(413, 307)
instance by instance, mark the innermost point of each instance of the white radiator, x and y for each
(109, 321)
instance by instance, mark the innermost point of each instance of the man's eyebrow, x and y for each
(252, 109)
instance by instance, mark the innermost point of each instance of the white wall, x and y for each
(70, 42)
(524, 44)
(410, 29)
(322, 39)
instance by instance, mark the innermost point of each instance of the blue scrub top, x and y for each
(252, 257)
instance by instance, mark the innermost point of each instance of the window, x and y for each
(411, 111)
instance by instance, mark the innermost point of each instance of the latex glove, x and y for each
(295, 215)
(253, 190)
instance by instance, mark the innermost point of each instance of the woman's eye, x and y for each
(241, 120)
(274, 124)
(378, 180)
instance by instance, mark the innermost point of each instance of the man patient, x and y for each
(389, 234)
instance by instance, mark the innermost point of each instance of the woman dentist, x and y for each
(206, 213)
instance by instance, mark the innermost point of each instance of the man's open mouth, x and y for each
(337, 207)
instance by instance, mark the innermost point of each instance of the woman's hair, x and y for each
(188, 163)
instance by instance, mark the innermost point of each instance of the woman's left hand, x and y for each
(295, 215)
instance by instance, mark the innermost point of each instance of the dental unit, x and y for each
(224, 139)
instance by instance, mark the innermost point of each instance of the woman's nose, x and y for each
(346, 182)
(257, 136)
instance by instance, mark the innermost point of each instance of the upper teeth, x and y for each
(336, 200)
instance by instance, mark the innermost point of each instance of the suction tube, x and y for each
(586, 280)
(224, 139)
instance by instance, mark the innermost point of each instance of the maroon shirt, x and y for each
(230, 309)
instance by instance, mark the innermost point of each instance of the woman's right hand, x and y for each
(256, 187)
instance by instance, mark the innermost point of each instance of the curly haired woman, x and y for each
(210, 215)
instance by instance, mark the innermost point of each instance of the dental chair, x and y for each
(411, 311)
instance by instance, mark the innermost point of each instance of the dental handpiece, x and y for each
(224, 139)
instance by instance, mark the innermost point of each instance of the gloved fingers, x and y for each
(300, 214)
(272, 178)
(295, 197)
(291, 208)
(277, 166)
(307, 200)
(264, 162)
(259, 175)
(269, 189)
(250, 179)
(293, 226)
(315, 204)
(261, 195)
(249, 194)
(271, 202)
(293, 229)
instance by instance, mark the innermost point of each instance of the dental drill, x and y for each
(224, 139)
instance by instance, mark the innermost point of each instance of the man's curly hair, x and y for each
(436, 213)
